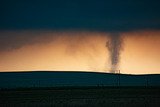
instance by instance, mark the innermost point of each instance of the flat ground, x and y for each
(81, 97)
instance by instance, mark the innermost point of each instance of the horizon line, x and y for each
(79, 71)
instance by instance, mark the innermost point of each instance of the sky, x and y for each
(73, 35)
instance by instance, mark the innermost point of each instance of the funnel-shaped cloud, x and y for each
(115, 46)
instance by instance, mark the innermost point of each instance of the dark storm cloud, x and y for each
(97, 15)
(103, 15)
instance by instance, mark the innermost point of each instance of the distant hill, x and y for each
(74, 78)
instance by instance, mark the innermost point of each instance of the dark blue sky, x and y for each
(104, 15)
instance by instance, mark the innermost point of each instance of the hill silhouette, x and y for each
(74, 78)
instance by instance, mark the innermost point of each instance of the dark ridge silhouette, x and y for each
(30, 79)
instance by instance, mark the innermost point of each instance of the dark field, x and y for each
(81, 97)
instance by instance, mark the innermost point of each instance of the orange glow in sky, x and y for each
(80, 51)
